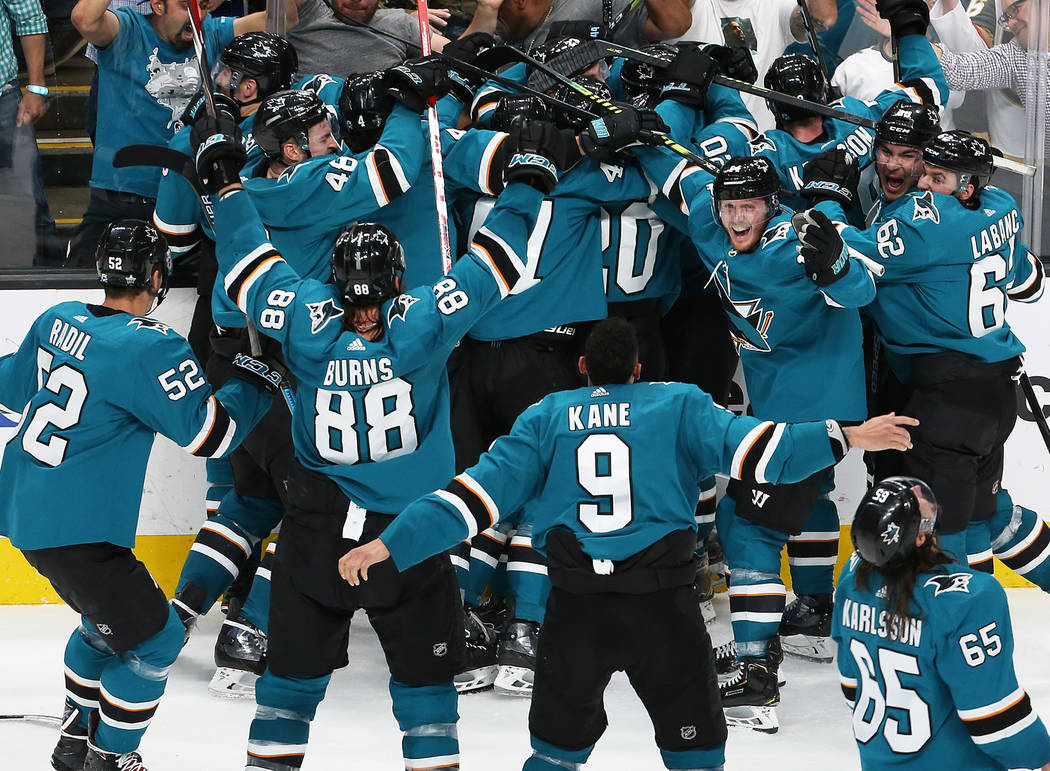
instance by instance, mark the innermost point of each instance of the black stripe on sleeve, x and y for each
(501, 260)
(219, 427)
(234, 289)
(1000, 720)
(474, 504)
(754, 454)
(922, 88)
(387, 176)
(1030, 552)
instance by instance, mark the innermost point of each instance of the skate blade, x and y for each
(807, 647)
(473, 680)
(761, 719)
(707, 609)
(229, 683)
(514, 681)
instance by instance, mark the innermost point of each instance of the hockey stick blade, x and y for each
(48, 720)
(161, 157)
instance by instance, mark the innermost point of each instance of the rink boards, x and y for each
(173, 496)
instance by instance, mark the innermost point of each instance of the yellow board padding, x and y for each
(20, 584)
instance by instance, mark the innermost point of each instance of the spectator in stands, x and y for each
(527, 21)
(344, 37)
(766, 27)
(18, 113)
(147, 76)
(91, 52)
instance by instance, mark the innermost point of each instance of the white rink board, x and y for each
(172, 502)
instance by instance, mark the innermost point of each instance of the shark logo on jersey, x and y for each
(925, 208)
(317, 83)
(143, 323)
(956, 582)
(749, 322)
(892, 534)
(321, 313)
(399, 307)
(760, 143)
(778, 232)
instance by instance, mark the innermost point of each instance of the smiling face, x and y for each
(898, 167)
(744, 221)
(360, 11)
(944, 181)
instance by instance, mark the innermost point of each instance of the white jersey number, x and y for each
(388, 420)
(603, 470)
(906, 708)
(55, 415)
(987, 307)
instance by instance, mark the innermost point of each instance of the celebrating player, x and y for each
(610, 473)
(90, 414)
(926, 647)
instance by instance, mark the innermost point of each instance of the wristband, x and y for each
(38, 90)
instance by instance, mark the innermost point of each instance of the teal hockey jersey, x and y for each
(373, 416)
(936, 690)
(618, 465)
(94, 386)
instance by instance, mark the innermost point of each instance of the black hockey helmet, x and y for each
(268, 59)
(909, 124)
(968, 156)
(513, 109)
(364, 106)
(368, 264)
(571, 96)
(890, 517)
(742, 178)
(641, 78)
(127, 254)
(795, 75)
(287, 115)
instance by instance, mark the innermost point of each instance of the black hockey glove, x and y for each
(262, 371)
(198, 108)
(736, 63)
(414, 82)
(686, 78)
(605, 137)
(906, 17)
(538, 145)
(465, 49)
(823, 251)
(831, 176)
(218, 152)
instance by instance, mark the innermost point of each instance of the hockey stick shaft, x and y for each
(608, 108)
(434, 133)
(202, 55)
(49, 720)
(1037, 409)
(814, 41)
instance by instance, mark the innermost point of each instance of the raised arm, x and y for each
(95, 22)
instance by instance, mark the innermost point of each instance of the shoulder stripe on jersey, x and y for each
(172, 230)
(215, 434)
(181, 238)
(921, 90)
(1000, 720)
(490, 173)
(671, 187)
(485, 101)
(1031, 288)
(385, 175)
(750, 450)
(767, 454)
(505, 266)
(247, 271)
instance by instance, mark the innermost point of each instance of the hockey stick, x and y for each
(276, 21)
(647, 137)
(48, 720)
(1037, 409)
(814, 42)
(434, 132)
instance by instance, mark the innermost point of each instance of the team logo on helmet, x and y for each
(892, 534)
(956, 582)
(321, 313)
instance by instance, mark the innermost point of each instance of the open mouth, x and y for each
(895, 184)
(366, 327)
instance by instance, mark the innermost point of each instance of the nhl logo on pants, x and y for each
(688, 732)
(440, 649)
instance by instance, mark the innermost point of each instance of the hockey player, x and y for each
(926, 647)
(371, 433)
(95, 384)
(319, 193)
(950, 260)
(610, 473)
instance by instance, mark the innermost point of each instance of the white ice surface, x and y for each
(355, 731)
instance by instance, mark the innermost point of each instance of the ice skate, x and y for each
(71, 749)
(481, 669)
(749, 698)
(240, 657)
(805, 630)
(517, 658)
